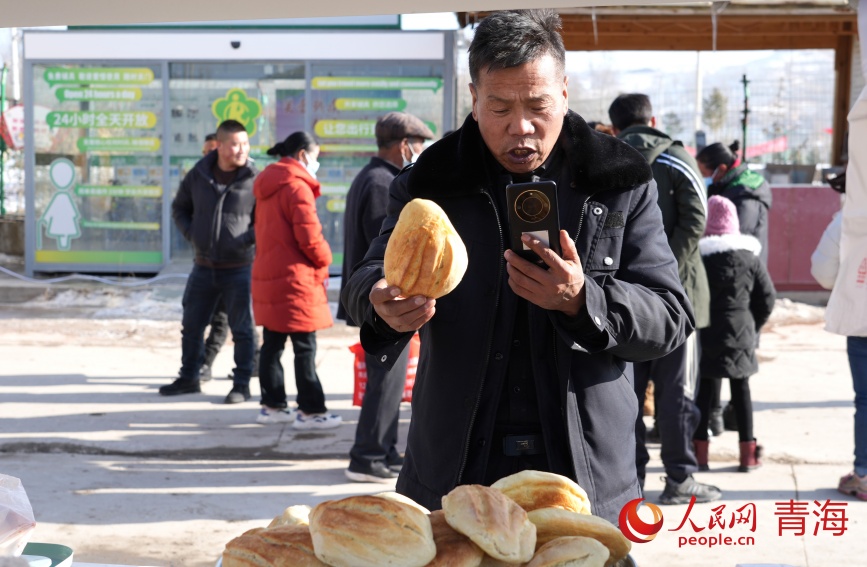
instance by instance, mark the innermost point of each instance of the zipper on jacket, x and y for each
(554, 338)
(216, 222)
(490, 340)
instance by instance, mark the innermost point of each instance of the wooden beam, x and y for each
(842, 102)
(695, 32)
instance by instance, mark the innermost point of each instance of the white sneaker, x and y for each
(269, 415)
(305, 421)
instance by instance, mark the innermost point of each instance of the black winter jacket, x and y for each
(366, 205)
(751, 194)
(742, 298)
(219, 225)
(636, 309)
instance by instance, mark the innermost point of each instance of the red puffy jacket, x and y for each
(292, 256)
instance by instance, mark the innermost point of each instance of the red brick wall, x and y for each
(798, 217)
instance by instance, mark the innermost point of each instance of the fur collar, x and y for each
(457, 164)
(728, 243)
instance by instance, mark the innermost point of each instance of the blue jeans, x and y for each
(205, 287)
(857, 349)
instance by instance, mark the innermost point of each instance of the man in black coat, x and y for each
(213, 209)
(683, 203)
(400, 139)
(522, 366)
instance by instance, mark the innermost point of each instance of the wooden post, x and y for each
(842, 86)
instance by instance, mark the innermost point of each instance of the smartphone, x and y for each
(533, 210)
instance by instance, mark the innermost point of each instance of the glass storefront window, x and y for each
(346, 100)
(204, 94)
(98, 174)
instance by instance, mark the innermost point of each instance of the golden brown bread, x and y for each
(425, 255)
(552, 523)
(454, 549)
(404, 499)
(571, 551)
(371, 531)
(292, 516)
(283, 546)
(539, 489)
(492, 521)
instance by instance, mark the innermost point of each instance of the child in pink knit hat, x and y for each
(742, 298)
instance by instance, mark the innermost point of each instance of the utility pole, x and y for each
(746, 111)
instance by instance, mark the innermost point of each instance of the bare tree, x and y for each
(672, 124)
(715, 110)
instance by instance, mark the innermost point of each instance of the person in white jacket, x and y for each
(839, 264)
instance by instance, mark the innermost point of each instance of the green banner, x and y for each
(383, 104)
(348, 148)
(98, 93)
(236, 105)
(118, 258)
(376, 83)
(99, 75)
(101, 119)
(121, 225)
(144, 191)
(93, 144)
(345, 128)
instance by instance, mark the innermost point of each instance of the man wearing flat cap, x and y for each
(400, 139)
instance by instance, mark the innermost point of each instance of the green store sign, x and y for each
(379, 104)
(141, 191)
(350, 129)
(98, 94)
(94, 144)
(101, 119)
(376, 83)
(237, 106)
(99, 75)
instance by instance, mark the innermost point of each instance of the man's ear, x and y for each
(475, 96)
(565, 94)
(652, 122)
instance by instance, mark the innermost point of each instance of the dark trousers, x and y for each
(675, 379)
(376, 433)
(219, 332)
(205, 287)
(742, 402)
(311, 398)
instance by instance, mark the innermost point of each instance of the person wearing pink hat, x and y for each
(742, 298)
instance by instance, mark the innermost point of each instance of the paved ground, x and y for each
(125, 476)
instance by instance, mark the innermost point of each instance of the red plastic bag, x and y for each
(360, 369)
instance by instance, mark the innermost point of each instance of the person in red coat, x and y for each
(290, 276)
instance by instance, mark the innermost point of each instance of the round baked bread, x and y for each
(552, 523)
(298, 515)
(425, 255)
(492, 521)
(572, 551)
(396, 496)
(454, 549)
(371, 531)
(540, 489)
(283, 546)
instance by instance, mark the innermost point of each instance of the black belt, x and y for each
(520, 445)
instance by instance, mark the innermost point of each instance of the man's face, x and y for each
(520, 112)
(232, 150)
(209, 146)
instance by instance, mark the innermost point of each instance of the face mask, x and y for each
(312, 166)
(412, 155)
(708, 181)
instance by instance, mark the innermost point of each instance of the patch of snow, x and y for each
(788, 312)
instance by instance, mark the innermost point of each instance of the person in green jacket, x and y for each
(683, 201)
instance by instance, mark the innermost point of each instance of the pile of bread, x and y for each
(532, 519)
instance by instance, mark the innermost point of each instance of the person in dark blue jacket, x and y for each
(522, 366)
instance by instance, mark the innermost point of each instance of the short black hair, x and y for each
(229, 127)
(630, 109)
(211, 137)
(513, 38)
(717, 154)
(294, 143)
